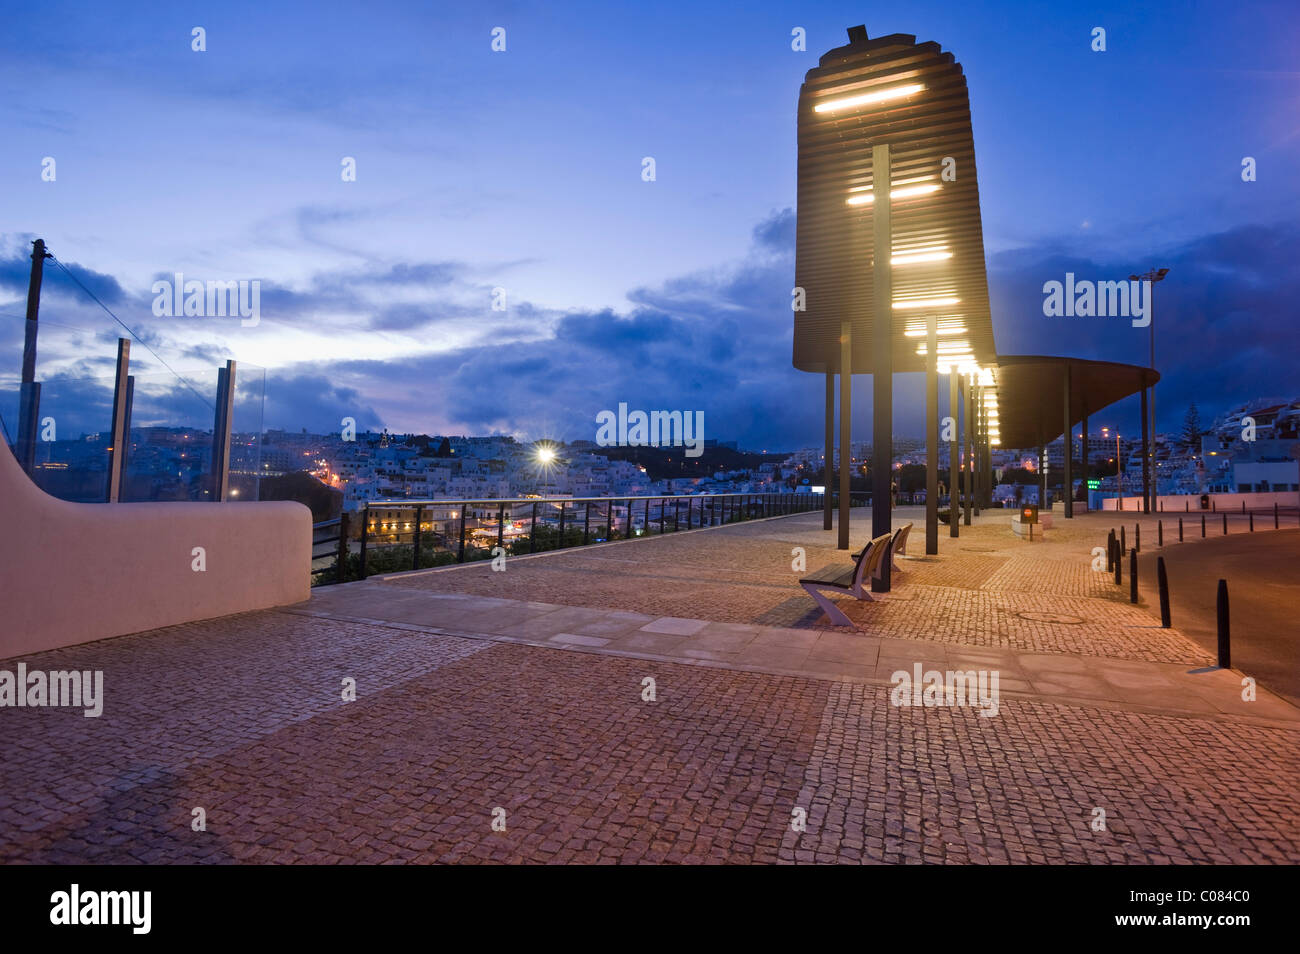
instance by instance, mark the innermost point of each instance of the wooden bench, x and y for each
(897, 548)
(849, 581)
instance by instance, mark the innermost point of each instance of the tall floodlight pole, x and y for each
(1153, 276)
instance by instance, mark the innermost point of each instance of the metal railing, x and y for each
(396, 535)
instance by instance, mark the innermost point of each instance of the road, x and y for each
(1263, 574)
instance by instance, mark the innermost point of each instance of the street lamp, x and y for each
(1119, 469)
(1152, 276)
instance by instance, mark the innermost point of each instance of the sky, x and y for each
(515, 177)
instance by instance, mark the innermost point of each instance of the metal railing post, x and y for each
(365, 535)
(1162, 582)
(501, 527)
(342, 563)
(586, 523)
(561, 543)
(532, 532)
(460, 549)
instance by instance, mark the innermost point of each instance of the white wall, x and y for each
(73, 573)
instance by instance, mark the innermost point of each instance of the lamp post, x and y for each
(1152, 276)
(1119, 469)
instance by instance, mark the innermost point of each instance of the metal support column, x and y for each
(846, 417)
(968, 456)
(882, 350)
(954, 452)
(1146, 456)
(1083, 459)
(978, 450)
(931, 435)
(829, 468)
(1068, 433)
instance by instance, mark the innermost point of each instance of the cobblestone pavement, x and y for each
(986, 588)
(587, 770)
(244, 717)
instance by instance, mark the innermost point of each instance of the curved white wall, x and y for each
(71, 573)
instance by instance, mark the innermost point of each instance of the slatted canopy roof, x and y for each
(912, 96)
(1031, 394)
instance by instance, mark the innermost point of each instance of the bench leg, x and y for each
(833, 612)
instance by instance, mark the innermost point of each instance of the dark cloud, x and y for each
(777, 231)
(719, 341)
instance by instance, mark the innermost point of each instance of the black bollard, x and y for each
(1225, 524)
(1123, 543)
(1180, 529)
(1274, 514)
(1243, 506)
(1110, 552)
(1202, 526)
(1132, 576)
(1137, 538)
(1160, 533)
(1119, 566)
(1225, 641)
(1162, 581)
(1252, 521)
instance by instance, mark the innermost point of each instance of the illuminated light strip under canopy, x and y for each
(908, 303)
(940, 332)
(913, 258)
(907, 192)
(866, 99)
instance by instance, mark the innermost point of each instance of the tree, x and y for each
(1192, 428)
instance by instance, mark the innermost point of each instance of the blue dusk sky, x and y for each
(521, 170)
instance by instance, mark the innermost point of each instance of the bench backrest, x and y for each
(869, 560)
(900, 539)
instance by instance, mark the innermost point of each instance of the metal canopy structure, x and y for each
(1031, 394)
(912, 97)
(890, 277)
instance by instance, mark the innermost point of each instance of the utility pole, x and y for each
(30, 393)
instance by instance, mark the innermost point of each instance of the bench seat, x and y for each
(848, 581)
